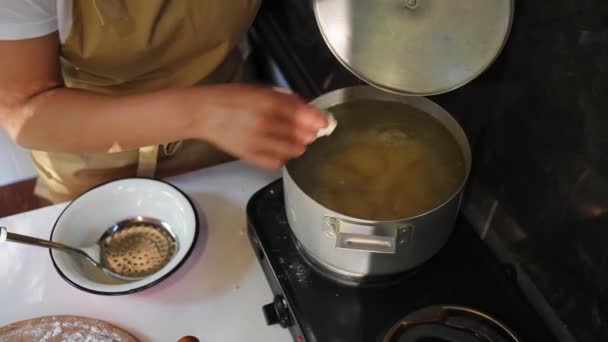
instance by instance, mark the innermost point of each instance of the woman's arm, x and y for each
(257, 124)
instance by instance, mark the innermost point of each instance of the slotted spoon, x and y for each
(129, 250)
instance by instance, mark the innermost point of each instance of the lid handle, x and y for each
(411, 4)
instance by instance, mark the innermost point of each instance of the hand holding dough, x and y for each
(331, 126)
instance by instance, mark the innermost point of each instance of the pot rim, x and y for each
(464, 147)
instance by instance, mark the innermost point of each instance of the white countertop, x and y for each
(216, 296)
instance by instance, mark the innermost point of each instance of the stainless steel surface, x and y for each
(415, 47)
(129, 250)
(356, 247)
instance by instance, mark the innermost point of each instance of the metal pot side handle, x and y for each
(353, 236)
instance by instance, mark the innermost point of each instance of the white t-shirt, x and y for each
(23, 19)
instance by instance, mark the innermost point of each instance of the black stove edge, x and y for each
(272, 278)
(277, 290)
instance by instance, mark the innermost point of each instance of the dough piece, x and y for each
(331, 126)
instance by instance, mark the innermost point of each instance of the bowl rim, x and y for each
(146, 286)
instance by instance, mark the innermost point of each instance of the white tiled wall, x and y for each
(15, 162)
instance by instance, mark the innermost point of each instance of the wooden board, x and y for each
(63, 329)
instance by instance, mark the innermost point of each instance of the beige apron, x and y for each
(120, 47)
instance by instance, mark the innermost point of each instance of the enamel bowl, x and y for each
(85, 219)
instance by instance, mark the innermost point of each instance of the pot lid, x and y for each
(415, 47)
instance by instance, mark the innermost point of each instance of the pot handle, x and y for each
(355, 236)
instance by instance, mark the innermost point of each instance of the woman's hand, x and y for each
(260, 125)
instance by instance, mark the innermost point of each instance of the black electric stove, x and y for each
(446, 299)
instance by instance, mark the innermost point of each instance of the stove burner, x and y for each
(315, 306)
(351, 281)
(449, 324)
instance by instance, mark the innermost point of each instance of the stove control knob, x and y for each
(277, 312)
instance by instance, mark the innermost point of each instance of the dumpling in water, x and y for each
(361, 159)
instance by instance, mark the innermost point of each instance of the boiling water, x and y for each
(385, 161)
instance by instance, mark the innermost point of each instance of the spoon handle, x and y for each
(5, 235)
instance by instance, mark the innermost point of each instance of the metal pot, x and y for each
(358, 248)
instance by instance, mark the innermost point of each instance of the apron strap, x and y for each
(148, 157)
(146, 162)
